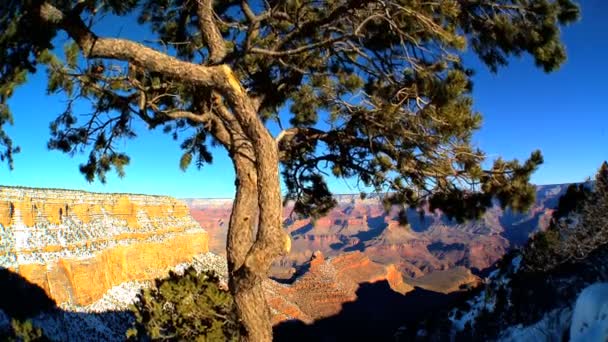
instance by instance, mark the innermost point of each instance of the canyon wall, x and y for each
(326, 285)
(431, 243)
(76, 245)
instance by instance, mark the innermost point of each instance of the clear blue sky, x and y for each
(564, 114)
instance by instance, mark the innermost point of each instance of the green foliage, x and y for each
(386, 80)
(578, 227)
(188, 307)
(541, 250)
(535, 32)
(572, 201)
(21, 42)
(195, 146)
(23, 331)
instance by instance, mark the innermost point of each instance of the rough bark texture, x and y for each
(249, 299)
(244, 213)
(209, 30)
(247, 266)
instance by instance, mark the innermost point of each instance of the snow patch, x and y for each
(108, 318)
(4, 321)
(588, 322)
(481, 302)
(590, 318)
(550, 328)
(484, 301)
(516, 263)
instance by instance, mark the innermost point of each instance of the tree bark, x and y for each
(248, 273)
(246, 285)
(243, 215)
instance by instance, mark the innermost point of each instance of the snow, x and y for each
(550, 328)
(588, 322)
(4, 321)
(484, 301)
(516, 263)
(590, 317)
(479, 303)
(108, 318)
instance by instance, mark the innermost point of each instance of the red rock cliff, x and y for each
(327, 285)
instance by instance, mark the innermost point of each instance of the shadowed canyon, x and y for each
(89, 254)
(430, 244)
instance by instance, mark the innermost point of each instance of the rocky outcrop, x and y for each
(430, 243)
(327, 285)
(77, 245)
(213, 215)
(107, 319)
(448, 281)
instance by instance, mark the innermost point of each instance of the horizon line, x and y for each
(195, 198)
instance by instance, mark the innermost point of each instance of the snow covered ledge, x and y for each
(588, 320)
(590, 316)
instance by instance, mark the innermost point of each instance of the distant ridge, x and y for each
(78, 190)
(374, 194)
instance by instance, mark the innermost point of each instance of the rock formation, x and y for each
(431, 242)
(213, 215)
(326, 285)
(77, 245)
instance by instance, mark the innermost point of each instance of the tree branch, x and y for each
(251, 17)
(310, 132)
(92, 46)
(210, 32)
(300, 49)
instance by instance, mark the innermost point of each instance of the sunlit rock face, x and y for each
(76, 245)
(213, 215)
(431, 243)
(326, 285)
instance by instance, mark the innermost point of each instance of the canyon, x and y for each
(430, 244)
(92, 252)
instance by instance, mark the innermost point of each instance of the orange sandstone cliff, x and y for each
(77, 245)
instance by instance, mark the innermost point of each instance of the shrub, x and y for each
(541, 251)
(191, 307)
(23, 330)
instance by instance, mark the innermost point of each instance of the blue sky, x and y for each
(563, 114)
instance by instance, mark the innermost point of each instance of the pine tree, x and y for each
(23, 331)
(376, 91)
(578, 228)
(593, 222)
(187, 307)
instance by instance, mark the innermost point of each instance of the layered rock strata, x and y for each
(431, 243)
(77, 245)
(327, 285)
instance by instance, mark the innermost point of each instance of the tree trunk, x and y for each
(245, 283)
(252, 307)
(256, 161)
(234, 121)
(244, 212)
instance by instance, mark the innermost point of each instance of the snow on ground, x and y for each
(590, 318)
(486, 300)
(4, 321)
(516, 263)
(550, 328)
(108, 318)
(588, 322)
